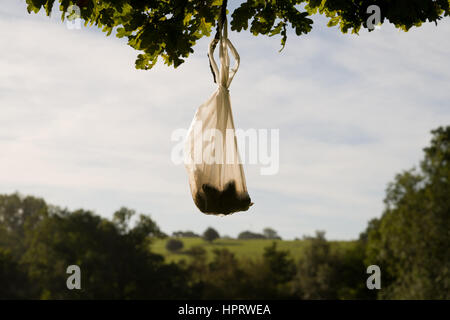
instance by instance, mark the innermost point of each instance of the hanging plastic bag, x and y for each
(212, 160)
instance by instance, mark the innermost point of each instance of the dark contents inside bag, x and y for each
(213, 201)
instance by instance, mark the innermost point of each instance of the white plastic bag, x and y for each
(216, 176)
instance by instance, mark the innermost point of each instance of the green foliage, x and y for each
(114, 264)
(185, 234)
(210, 235)
(169, 29)
(327, 272)
(14, 282)
(410, 241)
(197, 252)
(270, 277)
(113, 256)
(226, 277)
(271, 18)
(18, 213)
(270, 233)
(145, 227)
(174, 245)
(316, 274)
(222, 278)
(404, 14)
(250, 235)
(243, 249)
(280, 264)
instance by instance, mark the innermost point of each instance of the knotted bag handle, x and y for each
(215, 70)
(237, 62)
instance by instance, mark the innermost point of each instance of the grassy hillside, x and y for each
(243, 249)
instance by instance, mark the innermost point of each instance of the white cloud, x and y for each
(81, 127)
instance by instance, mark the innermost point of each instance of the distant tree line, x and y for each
(185, 234)
(211, 234)
(268, 233)
(409, 242)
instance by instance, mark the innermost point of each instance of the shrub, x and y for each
(210, 235)
(174, 245)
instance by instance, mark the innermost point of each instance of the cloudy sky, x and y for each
(82, 128)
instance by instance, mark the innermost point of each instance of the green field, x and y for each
(243, 249)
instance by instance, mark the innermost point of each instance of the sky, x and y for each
(82, 128)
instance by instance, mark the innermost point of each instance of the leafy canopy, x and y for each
(170, 28)
(410, 241)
